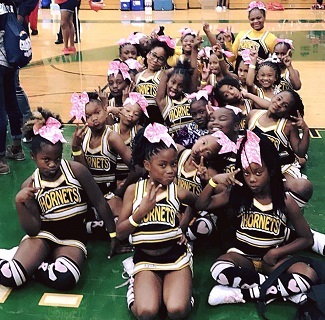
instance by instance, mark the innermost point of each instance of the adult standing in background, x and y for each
(67, 8)
(9, 108)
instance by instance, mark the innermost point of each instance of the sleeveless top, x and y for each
(122, 170)
(187, 180)
(101, 161)
(160, 227)
(176, 114)
(276, 134)
(259, 229)
(285, 82)
(62, 203)
(247, 42)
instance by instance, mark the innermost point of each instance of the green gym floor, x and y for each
(100, 276)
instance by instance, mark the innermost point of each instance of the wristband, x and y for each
(204, 83)
(134, 224)
(112, 235)
(252, 66)
(212, 183)
(77, 153)
(221, 59)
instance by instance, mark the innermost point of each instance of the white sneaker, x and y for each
(224, 8)
(319, 242)
(128, 265)
(299, 298)
(222, 295)
(219, 9)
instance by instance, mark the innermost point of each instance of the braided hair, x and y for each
(143, 149)
(242, 196)
(185, 70)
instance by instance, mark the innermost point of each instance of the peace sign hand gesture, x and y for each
(202, 170)
(299, 122)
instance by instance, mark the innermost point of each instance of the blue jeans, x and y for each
(9, 108)
(22, 99)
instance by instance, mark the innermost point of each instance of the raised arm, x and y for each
(161, 91)
(27, 208)
(299, 145)
(293, 73)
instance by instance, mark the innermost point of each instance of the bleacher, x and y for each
(197, 4)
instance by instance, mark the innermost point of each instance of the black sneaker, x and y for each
(17, 155)
(59, 40)
(4, 168)
(34, 32)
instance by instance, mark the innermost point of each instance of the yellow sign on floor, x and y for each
(4, 293)
(61, 300)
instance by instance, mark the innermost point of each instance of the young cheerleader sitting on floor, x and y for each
(51, 207)
(258, 247)
(150, 216)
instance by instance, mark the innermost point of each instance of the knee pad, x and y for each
(218, 267)
(301, 202)
(12, 273)
(201, 227)
(62, 274)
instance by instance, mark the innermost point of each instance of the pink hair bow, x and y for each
(169, 41)
(256, 5)
(133, 38)
(205, 52)
(133, 64)
(203, 93)
(78, 105)
(50, 131)
(156, 132)
(288, 41)
(117, 66)
(251, 151)
(185, 31)
(246, 56)
(236, 110)
(224, 30)
(135, 97)
(96, 5)
(228, 54)
(226, 144)
(122, 41)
